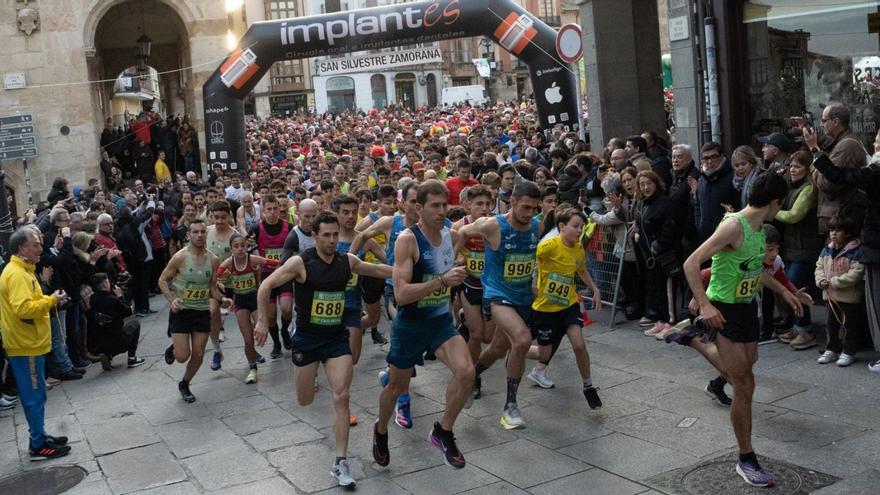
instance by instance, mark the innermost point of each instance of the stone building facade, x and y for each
(72, 59)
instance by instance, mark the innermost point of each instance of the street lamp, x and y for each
(144, 43)
(486, 43)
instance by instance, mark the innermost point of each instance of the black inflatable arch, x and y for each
(517, 31)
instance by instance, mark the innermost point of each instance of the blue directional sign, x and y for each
(6, 132)
(13, 143)
(17, 137)
(16, 119)
(19, 153)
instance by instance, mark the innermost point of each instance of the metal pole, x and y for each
(27, 183)
(712, 70)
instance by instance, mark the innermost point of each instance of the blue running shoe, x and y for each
(403, 416)
(216, 360)
(754, 474)
(383, 378)
(260, 359)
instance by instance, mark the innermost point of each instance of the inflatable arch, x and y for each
(517, 31)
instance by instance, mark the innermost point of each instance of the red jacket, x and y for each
(105, 241)
(454, 185)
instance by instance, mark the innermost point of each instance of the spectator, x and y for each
(462, 180)
(714, 190)
(187, 146)
(24, 313)
(683, 172)
(573, 178)
(59, 191)
(636, 150)
(775, 152)
(161, 168)
(619, 160)
(143, 161)
(745, 171)
(659, 156)
(107, 314)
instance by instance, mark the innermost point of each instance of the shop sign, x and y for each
(379, 61)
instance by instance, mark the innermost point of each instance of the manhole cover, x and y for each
(49, 481)
(718, 476)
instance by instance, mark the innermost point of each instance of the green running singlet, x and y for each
(736, 275)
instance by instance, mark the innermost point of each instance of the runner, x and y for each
(346, 211)
(218, 243)
(728, 306)
(373, 288)
(423, 273)
(511, 240)
(270, 235)
(391, 228)
(473, 257)
(192, 271)
(300, 237)
(556, 311)
(320, 275)
(241, 274)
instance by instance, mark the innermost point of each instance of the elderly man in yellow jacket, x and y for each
(24, 323)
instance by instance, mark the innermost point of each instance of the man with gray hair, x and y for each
(24, 323)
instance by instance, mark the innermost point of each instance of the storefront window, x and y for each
(405, 88)
(340, 94)
(802, 55)
(377, 84)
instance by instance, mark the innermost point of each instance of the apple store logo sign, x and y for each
(553, 94)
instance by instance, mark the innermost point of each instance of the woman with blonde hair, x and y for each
(746, 169)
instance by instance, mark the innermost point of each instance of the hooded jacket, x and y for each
(844, 273)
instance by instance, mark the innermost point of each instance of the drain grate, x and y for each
(48, 481)
(718, 476)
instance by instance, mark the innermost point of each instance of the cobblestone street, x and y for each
(133, 434)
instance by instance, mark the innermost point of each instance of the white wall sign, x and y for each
(385, 60)
(14, 80)
(678, 28)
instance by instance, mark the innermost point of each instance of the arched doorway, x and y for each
(380, 93)
(405, 89)
(432, 89)
(165, 85)
(340, 94)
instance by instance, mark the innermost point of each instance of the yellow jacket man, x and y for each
(161, 169)
(27, 336)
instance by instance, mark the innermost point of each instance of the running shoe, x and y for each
(352, 420)
(646, 322)
(380, 448)
(169, 354)
(187, 396)
(251, 376)
(684, 337)
(403, 415)
(511, 420)
(48, 451)
(7, 403)
(56, 441)
(540, 378)
(134, 362)
(378, 338)
(445, 441)
(754, 474)
(342, 474)
(874, 366)
(216, 360)
(717, 393)
(221, 336)
(845, 360)
(827, 357)
(276, 351)
(592, 396)
(260, 359)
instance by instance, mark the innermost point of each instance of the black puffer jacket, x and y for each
(657, 229)
(714, 190)
(681, 206)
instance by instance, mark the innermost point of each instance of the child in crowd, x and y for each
(840, 276)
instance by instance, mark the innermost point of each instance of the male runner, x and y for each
(217, 243)
(479, 203)
(346, 208)
(391, 228)
(728, 306)
(300, 237)
(192, 271)
(270, 234)
(320, 275)
(424, 271)
(511, 240)
(372, 288)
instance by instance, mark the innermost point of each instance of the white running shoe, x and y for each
(540, 378)
(875, 366)
(511, 420)
(342, 474)
(827, 357)
(845, 360)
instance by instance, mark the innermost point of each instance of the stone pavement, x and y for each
(132, 433)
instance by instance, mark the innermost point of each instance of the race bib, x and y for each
(327, 308)
(244, 284)
(476, 261)
(436, 299)
(518, 267)
(196, 293)
(558, 288)
(274, 254)
(747, 287)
